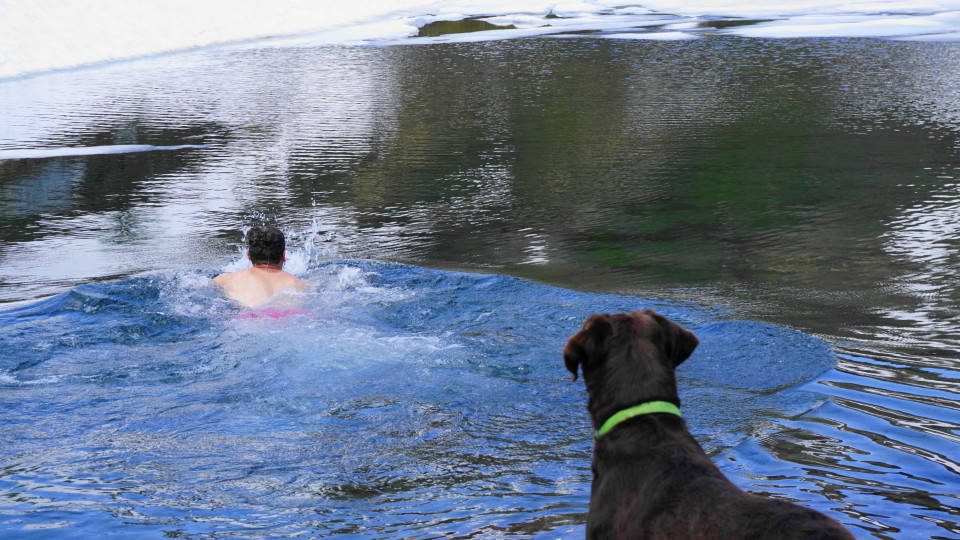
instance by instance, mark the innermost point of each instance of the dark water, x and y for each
(809, 184)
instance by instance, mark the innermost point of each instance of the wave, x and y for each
(46, 35)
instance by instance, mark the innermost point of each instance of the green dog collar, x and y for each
(641, 409)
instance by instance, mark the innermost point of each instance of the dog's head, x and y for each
(627, 359)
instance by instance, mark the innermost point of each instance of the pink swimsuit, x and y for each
(271, 313)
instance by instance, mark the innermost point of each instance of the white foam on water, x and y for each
(9, 380)
(350, 285)
(189, 293)
(37, 36)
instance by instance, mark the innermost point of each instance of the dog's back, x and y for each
(652, 480)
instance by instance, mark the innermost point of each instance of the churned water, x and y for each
(399, 402)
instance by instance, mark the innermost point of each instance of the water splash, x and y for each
(305, 248)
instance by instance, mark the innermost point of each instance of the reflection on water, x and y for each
(925, 234)
(811, 184)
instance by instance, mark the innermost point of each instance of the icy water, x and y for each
(460, 209)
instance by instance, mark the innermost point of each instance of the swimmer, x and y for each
(254, 286)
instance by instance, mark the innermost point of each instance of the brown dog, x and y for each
(651, 479)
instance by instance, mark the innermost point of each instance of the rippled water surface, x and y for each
(796, 203)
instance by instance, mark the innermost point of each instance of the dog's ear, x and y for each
(573, 356)
(584, 343)
(677, 343)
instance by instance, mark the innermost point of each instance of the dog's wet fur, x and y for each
(651, 479)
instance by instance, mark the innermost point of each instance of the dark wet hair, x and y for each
(266, 245)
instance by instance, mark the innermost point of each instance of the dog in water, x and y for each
(651, 479)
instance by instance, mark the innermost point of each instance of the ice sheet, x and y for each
(38, 36)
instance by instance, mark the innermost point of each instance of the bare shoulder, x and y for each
(299, 284)
(229, 280)
(224, 279)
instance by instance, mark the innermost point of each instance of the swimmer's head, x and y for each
(266, 245)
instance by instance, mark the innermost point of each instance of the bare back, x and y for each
(254, 286)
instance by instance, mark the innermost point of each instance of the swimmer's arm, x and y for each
(221, 280)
